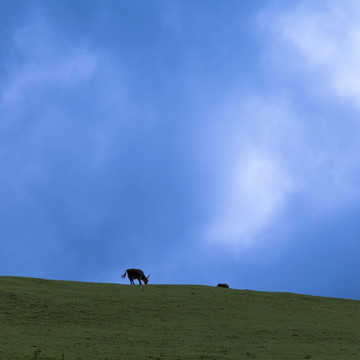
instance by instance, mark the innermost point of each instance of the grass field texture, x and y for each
(46, 319)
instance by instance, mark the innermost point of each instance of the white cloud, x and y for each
(267, 157)
(256, 191)
(328, 37)
(272, 153)
(251, 143)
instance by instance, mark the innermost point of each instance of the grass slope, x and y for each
(44, 319)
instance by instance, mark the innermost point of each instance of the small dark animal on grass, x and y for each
(136, 274)
(223, 285)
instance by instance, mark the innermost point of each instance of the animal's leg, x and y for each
(139, 282)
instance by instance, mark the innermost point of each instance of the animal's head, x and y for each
(146, 279)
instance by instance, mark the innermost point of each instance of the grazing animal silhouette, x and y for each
(223, 285)
(136, 274)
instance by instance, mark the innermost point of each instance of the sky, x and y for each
(202, 142)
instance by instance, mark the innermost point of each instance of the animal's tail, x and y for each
(124, 274)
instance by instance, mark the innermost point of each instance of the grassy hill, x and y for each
(44, 319)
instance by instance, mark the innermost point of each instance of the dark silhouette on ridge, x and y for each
(223, 285)
(136, 274)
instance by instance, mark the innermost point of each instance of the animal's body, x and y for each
(136, 274)
(223, 285)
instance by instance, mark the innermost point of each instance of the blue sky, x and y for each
(201, 141)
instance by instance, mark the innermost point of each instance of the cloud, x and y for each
(321, 42)
(268, 161)
(42, 61)
(328, 38)
(95, 173)
(57, 93)
(251, 144)
(294, 147)
(255, 194)
(66, 70)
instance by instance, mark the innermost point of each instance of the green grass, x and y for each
(44, 319)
